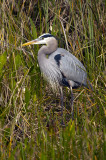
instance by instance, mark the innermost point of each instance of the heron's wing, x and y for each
(71, 68)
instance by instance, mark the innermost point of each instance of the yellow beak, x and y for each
(29, 43)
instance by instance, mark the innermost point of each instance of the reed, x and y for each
(29, 112)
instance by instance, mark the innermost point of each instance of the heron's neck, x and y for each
(47, 50)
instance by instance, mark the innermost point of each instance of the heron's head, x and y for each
(43, 39)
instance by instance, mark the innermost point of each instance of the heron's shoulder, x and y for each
(62, 51)
(60, 55)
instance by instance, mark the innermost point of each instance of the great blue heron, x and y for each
(59, 66)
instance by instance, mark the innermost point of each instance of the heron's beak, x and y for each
(30, 42)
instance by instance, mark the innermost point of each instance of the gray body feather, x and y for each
(60, 72)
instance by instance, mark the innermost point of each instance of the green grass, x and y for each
(30, 113)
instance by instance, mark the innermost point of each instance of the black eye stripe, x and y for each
(47, 35)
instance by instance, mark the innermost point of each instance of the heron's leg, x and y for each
(72, 98)
(61, 102)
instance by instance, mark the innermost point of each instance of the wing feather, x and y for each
(70, 66)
